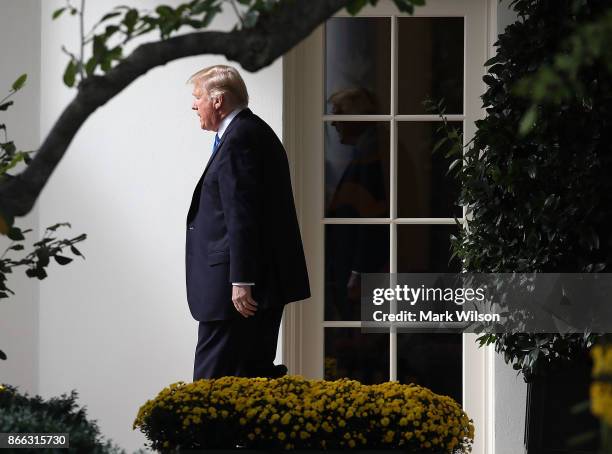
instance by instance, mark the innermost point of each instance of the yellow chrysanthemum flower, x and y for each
(312, 409)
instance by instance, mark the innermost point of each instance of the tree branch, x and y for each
(254, 48)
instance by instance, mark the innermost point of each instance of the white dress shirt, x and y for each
(222, 127)
(227, 120)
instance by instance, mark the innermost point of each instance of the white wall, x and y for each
(510, 389)
(116, 326)
(505, 15)
(510, 401)
(20, 53)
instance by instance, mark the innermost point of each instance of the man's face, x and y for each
(208, 109)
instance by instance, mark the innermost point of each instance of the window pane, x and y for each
(431, 360)
(356, 169)
(430, 63)
(425, 249)
(423, 188)
(358, 65)
(351, 354)
(349, 251)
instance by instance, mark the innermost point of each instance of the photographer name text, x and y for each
(431, 316)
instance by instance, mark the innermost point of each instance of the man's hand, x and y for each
(243, 302)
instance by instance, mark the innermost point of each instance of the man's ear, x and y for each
(219, 102)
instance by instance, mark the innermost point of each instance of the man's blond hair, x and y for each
(222, 80)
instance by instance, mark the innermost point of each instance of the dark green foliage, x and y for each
(21, 413)
(10, 156)
(540, 201)
(125, 23)
(46, 247)
(563, 78)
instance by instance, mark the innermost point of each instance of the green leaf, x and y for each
(201, 7)
(62, 260)
(8, 147)
(208, 17)
(99, 47)
(164, 11)
(15, 234)
(452, 165)
(130, 19)
(90, 66)
(115, 53)
(594, 240)
(43, 257)
(355, 6)
(110, 16)
(75, 251)
(439, 143)
(406, 6)
(111, 30)
(57, 13)
(492, 60)
(531, 170)
(20, 82)
(54, 227)
(39, 273)
(16, 159)
(454, 149)
(489, 79)
(70, 73)
(528, 120)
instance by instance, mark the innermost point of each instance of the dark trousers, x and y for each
(241, 347)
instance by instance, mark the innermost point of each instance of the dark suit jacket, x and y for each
(242, 225)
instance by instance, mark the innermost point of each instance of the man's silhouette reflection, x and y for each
(361, 192)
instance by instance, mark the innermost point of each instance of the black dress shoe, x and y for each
(278, 371)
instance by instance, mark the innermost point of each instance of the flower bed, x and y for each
(601, 388)
(295, 413)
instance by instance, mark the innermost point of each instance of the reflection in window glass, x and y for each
(430, 63)
(351, 250)
(356, 169)
(358, 65)
(351, 354)
(425, 249)
(433, 360)
(423, 188)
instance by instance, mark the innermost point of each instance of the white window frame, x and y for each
(478, 376)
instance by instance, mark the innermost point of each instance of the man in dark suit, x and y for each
(244, 254)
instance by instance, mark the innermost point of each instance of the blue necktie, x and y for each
(215, 145)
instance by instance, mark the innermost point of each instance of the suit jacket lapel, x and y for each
(196, 193)
(223, 137)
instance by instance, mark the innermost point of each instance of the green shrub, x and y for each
(540, 201)
(20, 413)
